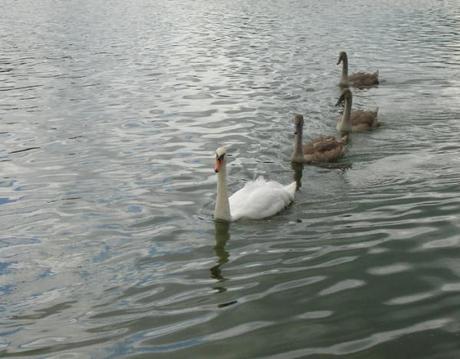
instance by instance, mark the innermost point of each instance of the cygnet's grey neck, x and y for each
(345, 123)
(344, 69)
(297, 154)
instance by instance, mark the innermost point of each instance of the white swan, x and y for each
(257, 199)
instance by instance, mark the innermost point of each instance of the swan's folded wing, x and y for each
(360, 117)
(363, 79)
(327, 146)
(259, 199)
(242, 194)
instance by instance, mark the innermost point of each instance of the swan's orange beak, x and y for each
(217, 165)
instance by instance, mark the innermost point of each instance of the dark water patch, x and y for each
(111, 249)
(19, 88)
(24, 150)
(5, 200)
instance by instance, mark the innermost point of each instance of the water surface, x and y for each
(110, 112)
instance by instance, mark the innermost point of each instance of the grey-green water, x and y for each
(107, 243)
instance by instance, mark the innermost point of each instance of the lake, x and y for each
(110, 113)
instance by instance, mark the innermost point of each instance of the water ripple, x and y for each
(109, 118)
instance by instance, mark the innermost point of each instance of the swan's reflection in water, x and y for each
(222, 235)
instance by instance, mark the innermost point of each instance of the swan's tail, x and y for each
(291, 188)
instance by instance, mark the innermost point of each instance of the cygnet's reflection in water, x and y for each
(298, 171)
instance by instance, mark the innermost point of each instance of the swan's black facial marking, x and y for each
(219, 162)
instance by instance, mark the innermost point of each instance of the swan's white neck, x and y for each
(222, 209)
(344, 79)
(345, 123)
(297, 154)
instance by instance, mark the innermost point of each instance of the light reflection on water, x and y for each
(109, 117)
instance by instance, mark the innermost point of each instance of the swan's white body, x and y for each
(257, 199)
(260, 199)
